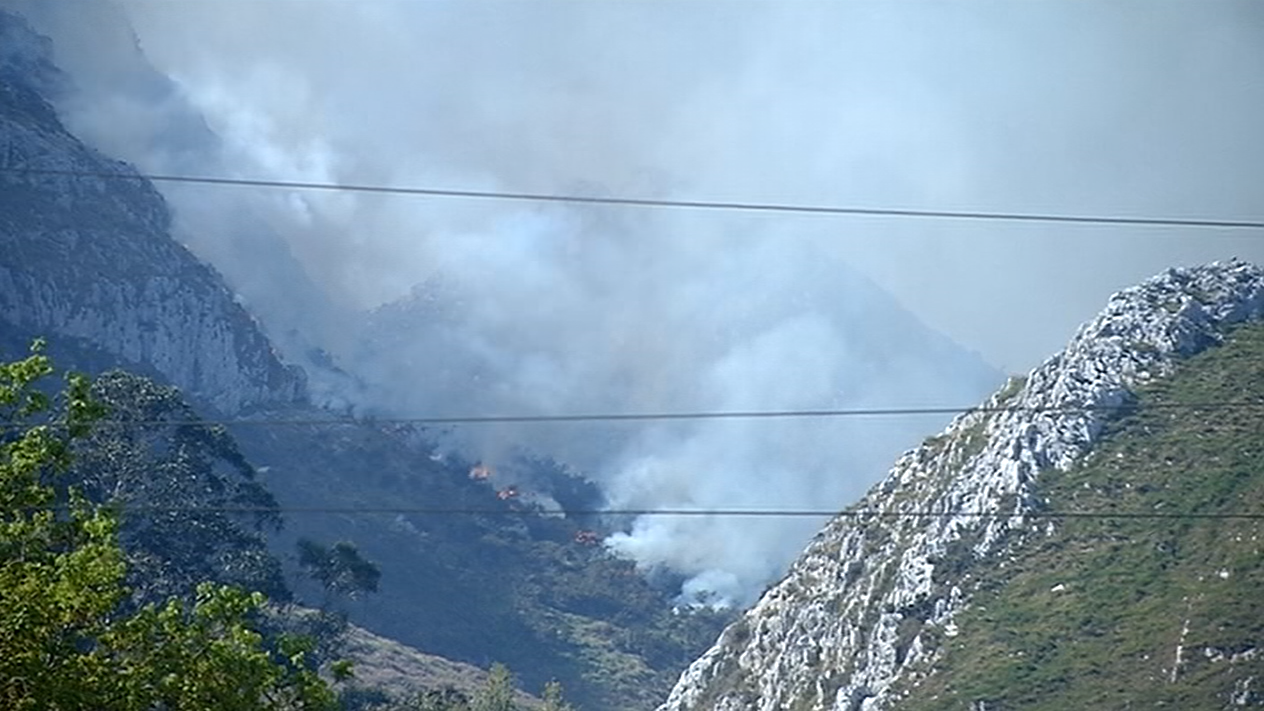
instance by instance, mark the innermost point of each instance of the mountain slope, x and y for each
(864, 612)
(1107, 612)
(91, 256)
(90, 263)
(475, 578)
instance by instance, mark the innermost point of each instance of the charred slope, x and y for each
(955, 611)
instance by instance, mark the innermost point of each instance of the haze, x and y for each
(1111, 108)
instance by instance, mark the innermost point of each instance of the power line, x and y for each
(668, 416)
(656, 202)
(754, 513)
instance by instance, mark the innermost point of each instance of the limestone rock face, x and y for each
(855, 611)
(87, 253)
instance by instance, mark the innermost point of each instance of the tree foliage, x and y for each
(65, 642)
(192, 508)
(339, 568)
(552, 697)
(498, 693)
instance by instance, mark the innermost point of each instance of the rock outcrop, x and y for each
(854, 614)
(86, 253)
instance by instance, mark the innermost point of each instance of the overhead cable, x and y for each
(731, 206)
(731, 512)
(667, 416)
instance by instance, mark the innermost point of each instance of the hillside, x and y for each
(401, 672)
(954, 562)
(93, 258)
(500, 583)
(1107, 612)
(90, 263)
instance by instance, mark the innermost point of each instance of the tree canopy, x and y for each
(66, 641)
(194, 509)
(339, 568)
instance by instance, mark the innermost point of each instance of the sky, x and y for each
(1115, 108)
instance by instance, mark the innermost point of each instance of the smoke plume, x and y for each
(1118, 108)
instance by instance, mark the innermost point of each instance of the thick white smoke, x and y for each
(1119, 107)
(554, 314)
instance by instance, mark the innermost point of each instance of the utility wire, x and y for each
(754, 513)
(655, 202)
(647, 416)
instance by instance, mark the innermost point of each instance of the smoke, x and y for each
(487, 307)
(553, 314)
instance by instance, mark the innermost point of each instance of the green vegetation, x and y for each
(1013, 385)
(1133, 612)
(497, 693)
(67, 639)
(177, 483)
(339, 568)
(525, 589)
(196, 503)
(184, 521)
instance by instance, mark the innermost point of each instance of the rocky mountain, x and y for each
(88, 261)
(864, 618)
(86, 253)
(955, 583)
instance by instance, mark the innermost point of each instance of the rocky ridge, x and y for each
(86, 253)
(863, 606)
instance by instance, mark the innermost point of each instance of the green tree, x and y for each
(339, 568)
(444, 699)
(497, 693)
(552, 698)
(193, 510)
(65, 642)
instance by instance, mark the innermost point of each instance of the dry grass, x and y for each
(402, 671)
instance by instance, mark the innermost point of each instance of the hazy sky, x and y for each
(1118, 108)
(1137, 108)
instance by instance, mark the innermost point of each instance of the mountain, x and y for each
(88, 261)
(804, 334)
(1011, 602)
(86, 253)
